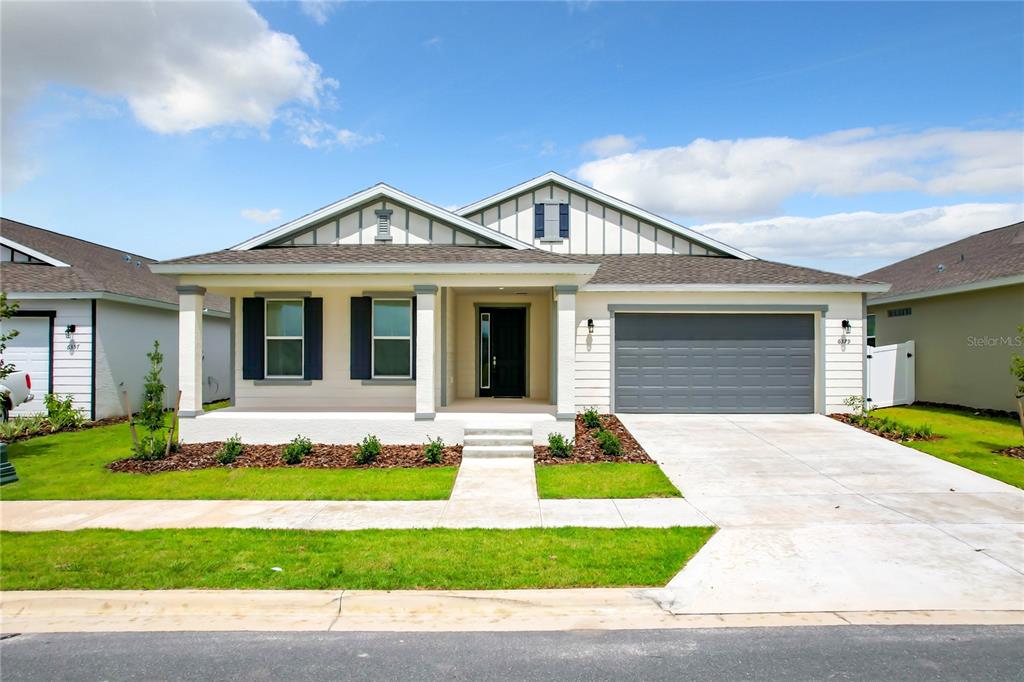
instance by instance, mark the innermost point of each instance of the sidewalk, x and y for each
(313, 515)
(409, 611)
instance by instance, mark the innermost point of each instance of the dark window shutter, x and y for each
(313, 341)
(361, 330)
(563, 221)
(538, 220)
(252, 338)
(412, 370)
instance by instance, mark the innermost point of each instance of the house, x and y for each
(961, 305)
(382, 313)
(87, 316)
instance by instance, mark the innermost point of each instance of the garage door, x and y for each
(708, 363)
(29, 351)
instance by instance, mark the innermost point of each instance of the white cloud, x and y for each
(314, 133)
(611, 145)
(318, 10)
(259, 215)
(434, 41)
(734, 179)
(179, 66)
(863, 234)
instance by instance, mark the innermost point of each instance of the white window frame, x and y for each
(267, 338)
(374, 337)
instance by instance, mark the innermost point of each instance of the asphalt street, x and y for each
(787, 653)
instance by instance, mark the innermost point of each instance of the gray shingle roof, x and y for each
(375, 253)
(986, 256)
(624, 269)
(94, 268)
(672, 269)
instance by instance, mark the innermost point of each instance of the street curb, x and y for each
(409, 611)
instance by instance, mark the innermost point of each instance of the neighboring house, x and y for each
(71, 292)
(961, 305)
(382, 313)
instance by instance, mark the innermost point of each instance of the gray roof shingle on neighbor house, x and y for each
(94, 268)
(622, 269)
(986, 256)
(667, 269)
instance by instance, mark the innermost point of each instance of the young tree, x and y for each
(151, 416)
(7, 311)
(1017, 370)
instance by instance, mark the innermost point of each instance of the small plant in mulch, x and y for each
(433, 449)
(296, 450)
(609, 442)
(591, 419)
(368, 450)
(559, 446)
(586, 448)
(230, 450)
(886, 427)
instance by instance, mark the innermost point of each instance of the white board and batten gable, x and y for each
(599, 224)
(381, 215)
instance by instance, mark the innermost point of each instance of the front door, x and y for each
(502, 338)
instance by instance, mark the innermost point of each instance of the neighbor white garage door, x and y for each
(29, 351)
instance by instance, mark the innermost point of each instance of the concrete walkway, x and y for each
(819, 516)
(407, 611)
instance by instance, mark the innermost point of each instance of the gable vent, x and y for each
(383, 224)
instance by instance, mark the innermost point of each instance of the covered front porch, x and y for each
(478, 356)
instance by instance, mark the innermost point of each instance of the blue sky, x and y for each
(841, 135)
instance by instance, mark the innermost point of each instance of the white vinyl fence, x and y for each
(890, 375)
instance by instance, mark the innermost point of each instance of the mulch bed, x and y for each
(845, 418)
(586, 449)
(192, 456)
(1017, 452)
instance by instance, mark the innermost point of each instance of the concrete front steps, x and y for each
(498, 441)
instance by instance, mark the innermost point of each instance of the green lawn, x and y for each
(603, 480)
(365, 559)
(71, 466)
(967, 440)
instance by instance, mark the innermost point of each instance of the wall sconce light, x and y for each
(846, 326)
(69, 330)
(590, 326)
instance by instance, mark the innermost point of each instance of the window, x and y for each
(551, 221)
(898, 312)
(284, 338)
(485, 350)
(392, 337)
(871, 330)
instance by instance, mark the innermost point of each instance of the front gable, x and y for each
(599, 224)
(354, 220)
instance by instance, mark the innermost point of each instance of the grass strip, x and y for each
(603, 480)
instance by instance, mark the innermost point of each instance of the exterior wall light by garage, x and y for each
(590, 326)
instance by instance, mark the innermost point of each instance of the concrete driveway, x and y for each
(819, 516)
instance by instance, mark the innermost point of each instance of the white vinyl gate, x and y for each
(890, 375)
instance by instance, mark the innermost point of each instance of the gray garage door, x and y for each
(714, 363)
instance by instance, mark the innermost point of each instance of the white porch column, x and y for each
(426, 301)
(190, 349)
(566, 335)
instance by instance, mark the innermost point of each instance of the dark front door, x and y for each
(502, 352)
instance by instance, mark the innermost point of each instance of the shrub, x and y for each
(433, 449)
(609, 442)
(230, 450)
(151, 447)
(559, 445)
(368, 450)
(61, 413)
(17, 427)
(591, 419)
(297, 449)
